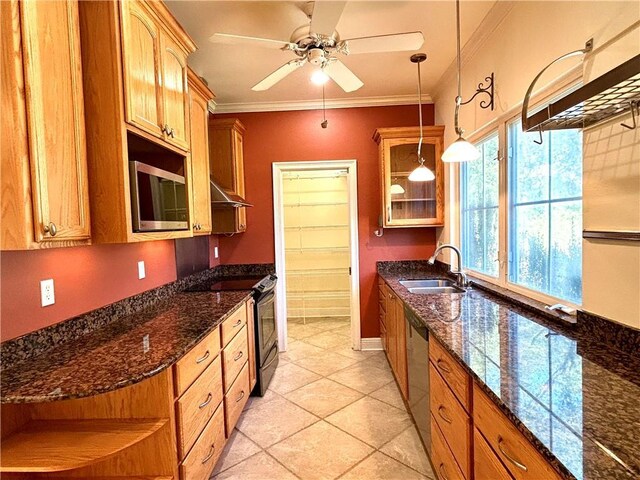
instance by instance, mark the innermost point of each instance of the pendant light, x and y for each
(396, 189)
(460, 150)
(421, 173)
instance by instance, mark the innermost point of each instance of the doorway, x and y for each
(316, 243)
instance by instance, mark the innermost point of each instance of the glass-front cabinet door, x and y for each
(407, 203)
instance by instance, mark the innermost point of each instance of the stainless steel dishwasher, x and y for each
(418, 370)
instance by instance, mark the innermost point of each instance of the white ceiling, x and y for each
(232, 70)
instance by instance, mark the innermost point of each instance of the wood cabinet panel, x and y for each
(195, 361)
(453, 373)
(236, 398)
(486, 465)
(520, 457)
(207, 449)
(199, 96)
(452, 419)
(445, 464)
(417, 204)
(234, 357)
(141, 59)
(196, 406)
(232, 325)
(174, 93)
(50, 99)
(401, 348)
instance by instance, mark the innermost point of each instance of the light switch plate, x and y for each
(47, 293)
(141, 272)
(215, 252)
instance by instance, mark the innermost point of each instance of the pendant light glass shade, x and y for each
(422, 174)
(460, 151)
(396, 189)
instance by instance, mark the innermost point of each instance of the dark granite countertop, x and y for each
(575, 398)
(114, 356)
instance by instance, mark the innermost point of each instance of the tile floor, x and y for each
(330, 412)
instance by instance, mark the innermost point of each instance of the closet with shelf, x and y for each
(317, 252)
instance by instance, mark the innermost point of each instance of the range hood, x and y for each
(222, 198)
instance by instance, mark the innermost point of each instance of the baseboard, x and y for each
(374, 343)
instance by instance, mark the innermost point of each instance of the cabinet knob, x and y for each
(51, 229)
(171, 132)
(165, 128)
(243, 226)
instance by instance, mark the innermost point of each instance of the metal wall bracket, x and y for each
(634, 106)
(482, 89)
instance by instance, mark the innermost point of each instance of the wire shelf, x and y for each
(607, 96)
(319, 271)
(317, 227)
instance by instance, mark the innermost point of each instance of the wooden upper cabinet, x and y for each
(141, 58)
(406, 203)
(155, 72)
(199, 96)
(44, 160)
(174, 93)
(226, 156)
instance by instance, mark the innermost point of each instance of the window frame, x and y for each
(501, 125)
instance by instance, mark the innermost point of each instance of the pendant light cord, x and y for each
(458, 130)
(420, 159)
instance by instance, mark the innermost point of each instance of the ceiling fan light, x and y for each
(319, 77)
(421, 174)
(460, 151)
(396, 189)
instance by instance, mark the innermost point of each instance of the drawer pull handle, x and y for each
(211, 452)
(443, 473)
(203, 358)
(240, 397)
(442, 415)
(207, 401)
(238, 356)
(51, 229)
(518, 464)
(444, 366)
(237, 323)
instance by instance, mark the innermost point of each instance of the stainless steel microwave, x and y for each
(158, 199)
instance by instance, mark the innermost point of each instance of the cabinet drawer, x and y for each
(453, 421)
(207, 449)
(521, 458)
(234, 356)
(445, 465)
(197, 404)
(195, 361)
(232, 325)
(236, 398)
(452, 372)
(486, 465)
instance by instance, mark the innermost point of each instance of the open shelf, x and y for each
(314, 204)
(316, 249)
(60, 445)
(316, 294)
(413, 200)
(319, 271)
(317, 227)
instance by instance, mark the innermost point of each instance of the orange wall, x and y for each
(297, 136)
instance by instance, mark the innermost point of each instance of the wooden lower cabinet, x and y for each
(236, 398)
(205, 453)
(486, 465)
(441, 457)
(393, 335)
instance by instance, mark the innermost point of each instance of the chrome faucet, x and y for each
(461, 277)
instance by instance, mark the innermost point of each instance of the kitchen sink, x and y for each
(430, 283)
(434, 290)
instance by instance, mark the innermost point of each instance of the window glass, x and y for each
(545, 223)
(479, 209)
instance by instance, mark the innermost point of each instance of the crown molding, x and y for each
(317, 104)
(487, 27)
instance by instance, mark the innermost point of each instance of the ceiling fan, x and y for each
(319, 44)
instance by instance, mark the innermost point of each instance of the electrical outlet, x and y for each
(47, 293)
(141, 272)
(215, 252)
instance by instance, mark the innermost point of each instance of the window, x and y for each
(521, 219)
(545, 202)
(479, 209)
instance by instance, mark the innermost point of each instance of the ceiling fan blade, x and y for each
(395, 42)
(326, 15)
(344, 77)
(231, 39)
(273, 78)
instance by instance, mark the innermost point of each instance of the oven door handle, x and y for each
(275, 357)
